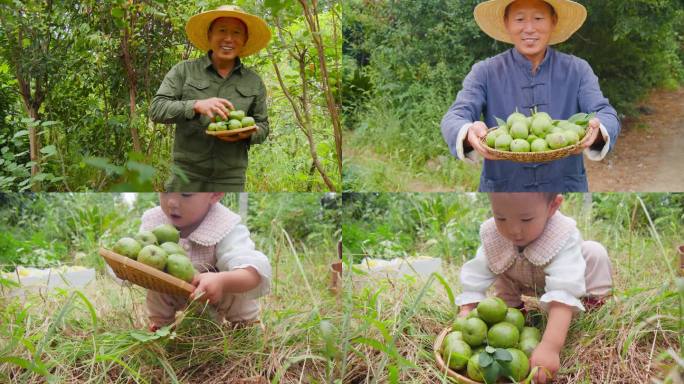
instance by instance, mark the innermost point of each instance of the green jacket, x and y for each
(203, 158)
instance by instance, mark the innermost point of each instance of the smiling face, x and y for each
(530, 24)
(187, 210)
(521, 217)
(227, 37)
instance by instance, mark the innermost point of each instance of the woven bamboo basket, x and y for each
(145, 276)
(437, 348)
(535, 157)
(233, 134)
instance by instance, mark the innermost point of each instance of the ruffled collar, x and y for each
(501, 252)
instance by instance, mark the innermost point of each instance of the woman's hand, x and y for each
(213, 106)
(547, 357)
(593, 130)
(465, 309)
(475, 132)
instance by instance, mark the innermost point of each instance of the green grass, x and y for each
(391, 324)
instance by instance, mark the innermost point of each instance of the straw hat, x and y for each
(258, 33)
(489, 15)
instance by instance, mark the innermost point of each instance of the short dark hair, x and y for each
(551, 9)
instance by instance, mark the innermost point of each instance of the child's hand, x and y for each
(546, 356)
(466, 308)
(211, 284)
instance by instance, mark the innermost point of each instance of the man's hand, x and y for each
(213, 106)
(475, 132)
(465, 309)
(545, 356)
(593, 130)
(212, 284)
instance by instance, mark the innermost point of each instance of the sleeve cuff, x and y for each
(561, 297)
(189, 110)
(264, 286)
(462, 137)
(598, 155)
(469, 298)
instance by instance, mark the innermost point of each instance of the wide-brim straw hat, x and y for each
(489, 15)
(258, 33)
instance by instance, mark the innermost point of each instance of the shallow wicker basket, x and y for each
(437, 348)
(145, 276)
(534, 157)
(233, 134)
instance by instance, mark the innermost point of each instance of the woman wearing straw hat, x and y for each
(196, 91)
(530, 75)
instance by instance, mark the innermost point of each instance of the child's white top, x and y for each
(219, 242)
(558, 250)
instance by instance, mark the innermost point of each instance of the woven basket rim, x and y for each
(163, 279)
(232, 132)
(533, 157)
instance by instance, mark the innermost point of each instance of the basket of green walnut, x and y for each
(153, 260)
(490, 345)
(537, 138)
(237, 127)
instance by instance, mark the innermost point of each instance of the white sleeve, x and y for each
(565, 281)
(475, 279)
(236, 251)
(598, 155)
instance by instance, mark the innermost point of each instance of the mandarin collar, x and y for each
(525, 63)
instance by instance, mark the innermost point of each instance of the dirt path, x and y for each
(649, 154)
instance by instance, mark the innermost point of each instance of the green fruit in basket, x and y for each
(491, 138)
(515, 317)
(571, 137)
(248, 122)
(474, 331)
(166, 233)
(171, 248)
(503, 142)
(530, 333)
(492, 310)
(516, 116)
(539, 145)
(456, 352)
(519, 130)
(237, 115)
(503, 335)
(146, 238)
(234, 124)
(528, 345)
(212, 127)
(128, 247)
(531, 139)
(541, 126)
(556, 140)
(180, 266)
(519, 366)
(218, 119)
(459, 324)
(222, 126)
(520, 145)
(473, 314)
(153, 256)
(474, 370)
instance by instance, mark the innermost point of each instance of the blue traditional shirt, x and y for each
(562, 86)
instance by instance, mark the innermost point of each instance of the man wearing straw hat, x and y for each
(531, 75)
(196, 91)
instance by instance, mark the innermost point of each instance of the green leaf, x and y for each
(500, 122)
(502, 355)
(21, 133)
(491, 373)
(49, 150)
(485, 360)
(490, 349)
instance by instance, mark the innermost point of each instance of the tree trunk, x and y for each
(132, 82)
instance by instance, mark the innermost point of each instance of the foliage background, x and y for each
(404, 63)
(83, 59)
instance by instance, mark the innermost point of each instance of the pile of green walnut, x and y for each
(158, 248)
(537, 133)
(236, 120)
(492, 342)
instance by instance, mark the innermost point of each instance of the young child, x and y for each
(232, 274)
(529, 248)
